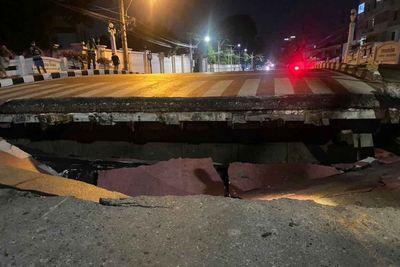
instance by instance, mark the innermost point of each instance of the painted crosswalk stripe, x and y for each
(104, 90)
(78, 89)
(187, 90)
(131, 90)
(48, 91)
(283, 86)
(17, 89)
(28, 91)
(355, 86)
(317, 86)
(250, 87)
(218, 88)
(162, 88)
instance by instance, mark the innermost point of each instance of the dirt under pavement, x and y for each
(193, 231)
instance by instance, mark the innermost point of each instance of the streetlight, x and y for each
(245, 50)
(239, 45)
(207, 39)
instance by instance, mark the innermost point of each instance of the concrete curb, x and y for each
(56, 75)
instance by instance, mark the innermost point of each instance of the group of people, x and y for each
(91, 56)
(6, 55)
(37, 53)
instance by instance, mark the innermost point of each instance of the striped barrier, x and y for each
(57, 75)
(360, 72)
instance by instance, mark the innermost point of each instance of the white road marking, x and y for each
(355, 86)
(104, 89)
(47, 92)
(130, 89)
(218, 88)
(13, 89)
(250, 87)
(188, 89)
(30, 90)
(77, 89)
(317, 86)
(283, 86)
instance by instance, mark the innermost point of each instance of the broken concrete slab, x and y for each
(178, 177)
(246, 177)
(377, 186)
(386, 157)
(53, 185)
(13, 156)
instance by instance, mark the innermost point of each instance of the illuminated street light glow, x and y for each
(286, 39)
(245, 50)
(292, 37)
(239, 45)
(207, 39)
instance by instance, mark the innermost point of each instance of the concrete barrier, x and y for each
(391, 79)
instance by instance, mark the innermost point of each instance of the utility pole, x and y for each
(112, 31)
(219, 55)
(191, 52)
(123, 31)
(252, 61)
(352, 29)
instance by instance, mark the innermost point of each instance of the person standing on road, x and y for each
(37, 53)
(91, 54)
(115, 60)
(5, 55)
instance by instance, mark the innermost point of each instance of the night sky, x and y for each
(275, 19)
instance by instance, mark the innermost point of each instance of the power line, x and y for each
(143, 31)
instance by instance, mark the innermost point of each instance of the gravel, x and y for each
(193, 231)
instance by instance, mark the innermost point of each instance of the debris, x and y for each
(246, 177)
(386, 157)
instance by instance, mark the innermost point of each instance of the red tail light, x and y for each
(296, 68)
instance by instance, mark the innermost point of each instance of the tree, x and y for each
(241, 29)
(26, 21)
(212, 55)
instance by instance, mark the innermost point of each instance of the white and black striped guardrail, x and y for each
(56, 75)
(357, 71)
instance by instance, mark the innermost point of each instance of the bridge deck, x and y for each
(318, 96)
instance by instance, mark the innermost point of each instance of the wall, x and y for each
(138, 63)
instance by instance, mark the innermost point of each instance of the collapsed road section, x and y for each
(310, 119)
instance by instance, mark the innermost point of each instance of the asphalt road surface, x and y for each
(274, 83)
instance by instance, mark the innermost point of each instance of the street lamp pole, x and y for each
(191, 54)
(123, 31)
(352, 28)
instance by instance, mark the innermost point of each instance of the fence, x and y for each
(22, 66)
(139, 62)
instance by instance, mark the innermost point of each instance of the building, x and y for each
(378, 21)
(331, 47)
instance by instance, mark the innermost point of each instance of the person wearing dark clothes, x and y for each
(115, 60)
(91, 54)
(37, 53)
(5, 55)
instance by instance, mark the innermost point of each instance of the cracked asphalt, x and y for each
(193, 231)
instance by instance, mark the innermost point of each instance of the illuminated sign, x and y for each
(361, 8)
